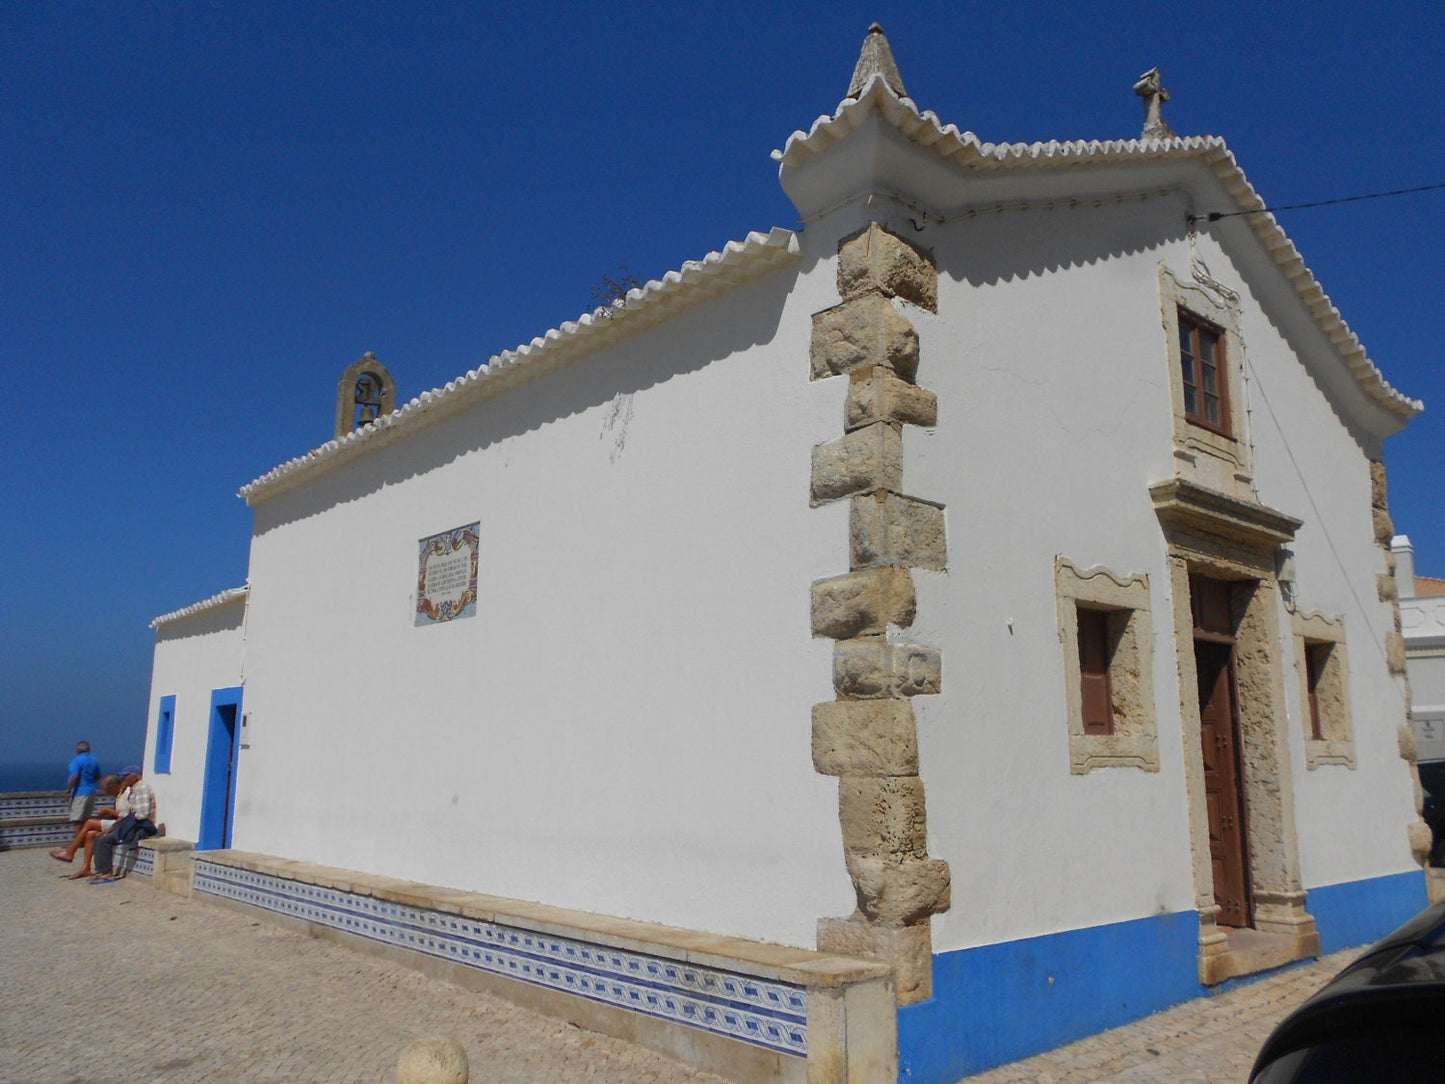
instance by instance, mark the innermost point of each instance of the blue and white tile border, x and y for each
(31, 804)
(768, 1014)
(45, 834)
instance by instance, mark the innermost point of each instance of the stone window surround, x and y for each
(1338, 744)
(1192, 440)
(1134, 742)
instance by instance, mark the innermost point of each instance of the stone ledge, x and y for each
(749, 1010)
(784, 963)
(1247, 952)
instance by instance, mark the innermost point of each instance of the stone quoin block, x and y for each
(858, 462)
(886, 529)
(871, 667)
(1421, 840)
(883, 816)
(860, 334)
(907, 949)
(881, 395)
(863, 603)
(1395, 651)
(1406, 742)
(865, 737)
(1384, 525)
(876, 261)
(899, 890)
(1380, 504)
(1387, 588)
(1379, 486)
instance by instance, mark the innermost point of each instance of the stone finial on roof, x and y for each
(1152, 91)
(876, 59)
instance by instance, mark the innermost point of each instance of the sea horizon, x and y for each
(43, 775)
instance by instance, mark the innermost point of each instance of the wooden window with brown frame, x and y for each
(1317, 657)
(1202, 369)
(1096, 696)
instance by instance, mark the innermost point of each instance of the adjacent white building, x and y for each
(991, 577)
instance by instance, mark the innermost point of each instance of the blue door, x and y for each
(218, 793)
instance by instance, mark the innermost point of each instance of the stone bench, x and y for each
(748, 1010)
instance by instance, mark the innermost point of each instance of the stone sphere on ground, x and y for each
(433, 1059)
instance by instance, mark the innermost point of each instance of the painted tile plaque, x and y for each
(446, 575)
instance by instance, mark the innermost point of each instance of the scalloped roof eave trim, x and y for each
(215, 602)
(737, 262)
(966, 150)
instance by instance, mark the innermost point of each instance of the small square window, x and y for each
(1202, 370)
(1317, 661)
(165, 730)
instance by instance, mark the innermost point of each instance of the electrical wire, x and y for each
(1215, 216)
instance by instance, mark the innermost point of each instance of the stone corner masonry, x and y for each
(867, 737)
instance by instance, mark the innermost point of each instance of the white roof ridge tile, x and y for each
(216, 601)
(756, 253)
(966, 149)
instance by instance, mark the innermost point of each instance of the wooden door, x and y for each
(1223, 784)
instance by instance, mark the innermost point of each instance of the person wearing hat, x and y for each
(138, 823)
(83, 783)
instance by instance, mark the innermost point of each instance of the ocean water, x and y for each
(42, 776)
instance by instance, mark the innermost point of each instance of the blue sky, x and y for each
(207, 211)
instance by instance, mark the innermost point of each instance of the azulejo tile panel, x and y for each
(767, 1014)
(143, 863)
(35, 835)
(34, 805)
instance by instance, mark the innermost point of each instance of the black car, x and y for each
(1380, 1019)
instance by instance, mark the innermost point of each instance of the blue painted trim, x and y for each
(165, 728)
(999, 1003)
(1360, 912)
(218, 794)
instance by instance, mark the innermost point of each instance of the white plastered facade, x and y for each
(623, 726)
(198, 650)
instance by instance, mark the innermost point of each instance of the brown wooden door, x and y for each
(1223, 785)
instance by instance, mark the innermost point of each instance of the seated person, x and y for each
(138, 823)
(86, 831)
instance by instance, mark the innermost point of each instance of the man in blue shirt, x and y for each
(83, 784)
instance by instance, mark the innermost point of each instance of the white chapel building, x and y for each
(986, 584)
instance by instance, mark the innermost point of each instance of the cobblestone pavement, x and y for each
(122, 982)
(1209, 1041)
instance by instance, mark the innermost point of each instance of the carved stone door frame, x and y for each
(1226, 538)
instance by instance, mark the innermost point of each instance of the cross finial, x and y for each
(1152, 91)
(876, 59)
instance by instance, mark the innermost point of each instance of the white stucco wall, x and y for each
(193, 656)
(624, 726)
(1053, 378)
(1054, 417)
(1310, 463)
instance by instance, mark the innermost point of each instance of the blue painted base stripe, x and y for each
(998, 1003)
(1359, 912)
